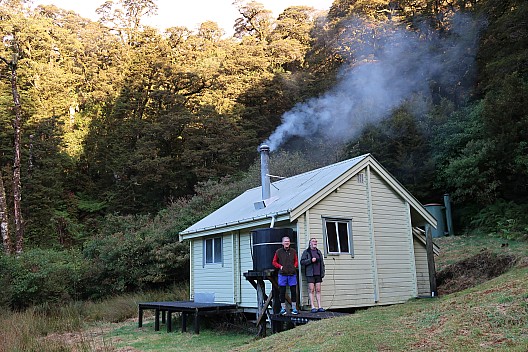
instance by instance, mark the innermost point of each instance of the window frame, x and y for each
(337, 221)
(215, 243)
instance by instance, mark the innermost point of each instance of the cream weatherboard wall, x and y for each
(382, 269)
(422, 269)
(394, 243)
(213, 278)
(349, 280)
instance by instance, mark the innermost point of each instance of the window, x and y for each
(338, 235)
(213, 250)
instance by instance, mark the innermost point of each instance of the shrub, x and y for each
(41, 276)
(134, 252)
(507, 219)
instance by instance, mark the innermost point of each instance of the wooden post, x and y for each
(260, 294)
(261, 309)
(157, 320)
(169, 321)
(140, 320)
(184, 322)
(276, 326)
(430, 260)
(261, 321)
(196, 322)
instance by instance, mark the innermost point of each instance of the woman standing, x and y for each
(312, 260)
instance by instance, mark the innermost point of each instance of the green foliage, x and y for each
(480, 150)
(134, 252)
(90, 206)
(372, 9)
(507, 219)
(464, 168)
(49, 205)
(503, 49)
(41, 276)
(505, 124)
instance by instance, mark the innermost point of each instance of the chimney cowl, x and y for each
(263, 148)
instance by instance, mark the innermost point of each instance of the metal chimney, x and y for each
(264, 171)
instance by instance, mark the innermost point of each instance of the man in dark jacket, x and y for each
(312, 260)
(286, 261)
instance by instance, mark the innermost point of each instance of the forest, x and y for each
(116, 136)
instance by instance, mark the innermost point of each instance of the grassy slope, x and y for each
(491, 316)
(457, 248)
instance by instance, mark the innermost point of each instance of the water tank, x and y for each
(264, 244)
(438, 211)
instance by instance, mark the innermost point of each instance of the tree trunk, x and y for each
(4, 228)
(17, 122)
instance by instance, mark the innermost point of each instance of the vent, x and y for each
(361, 177)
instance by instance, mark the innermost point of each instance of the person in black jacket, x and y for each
(312, 260)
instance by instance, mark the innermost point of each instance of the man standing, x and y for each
(286, 261)
(312, 259)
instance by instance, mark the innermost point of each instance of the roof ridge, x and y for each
(319, 169)
(323, 168)
(312, 171)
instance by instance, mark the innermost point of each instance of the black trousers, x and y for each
(282, 293)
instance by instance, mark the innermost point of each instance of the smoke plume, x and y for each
(384, 67)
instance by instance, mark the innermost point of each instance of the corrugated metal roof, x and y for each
(290, 193)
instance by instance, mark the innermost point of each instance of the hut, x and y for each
(369, 228)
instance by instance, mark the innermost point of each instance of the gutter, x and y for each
(235, 225)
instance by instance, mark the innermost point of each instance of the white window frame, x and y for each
(336, 222)
(215, 241)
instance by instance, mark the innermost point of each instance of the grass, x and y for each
(79, 326)
(146, 339)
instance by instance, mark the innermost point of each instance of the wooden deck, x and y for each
(165, 309)
(163, 314)
(270, 306)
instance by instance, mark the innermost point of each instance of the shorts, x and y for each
(287, 280)
(314, 279)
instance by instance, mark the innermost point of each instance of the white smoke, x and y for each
(382, 73)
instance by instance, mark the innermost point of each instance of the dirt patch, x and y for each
(473, 271)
